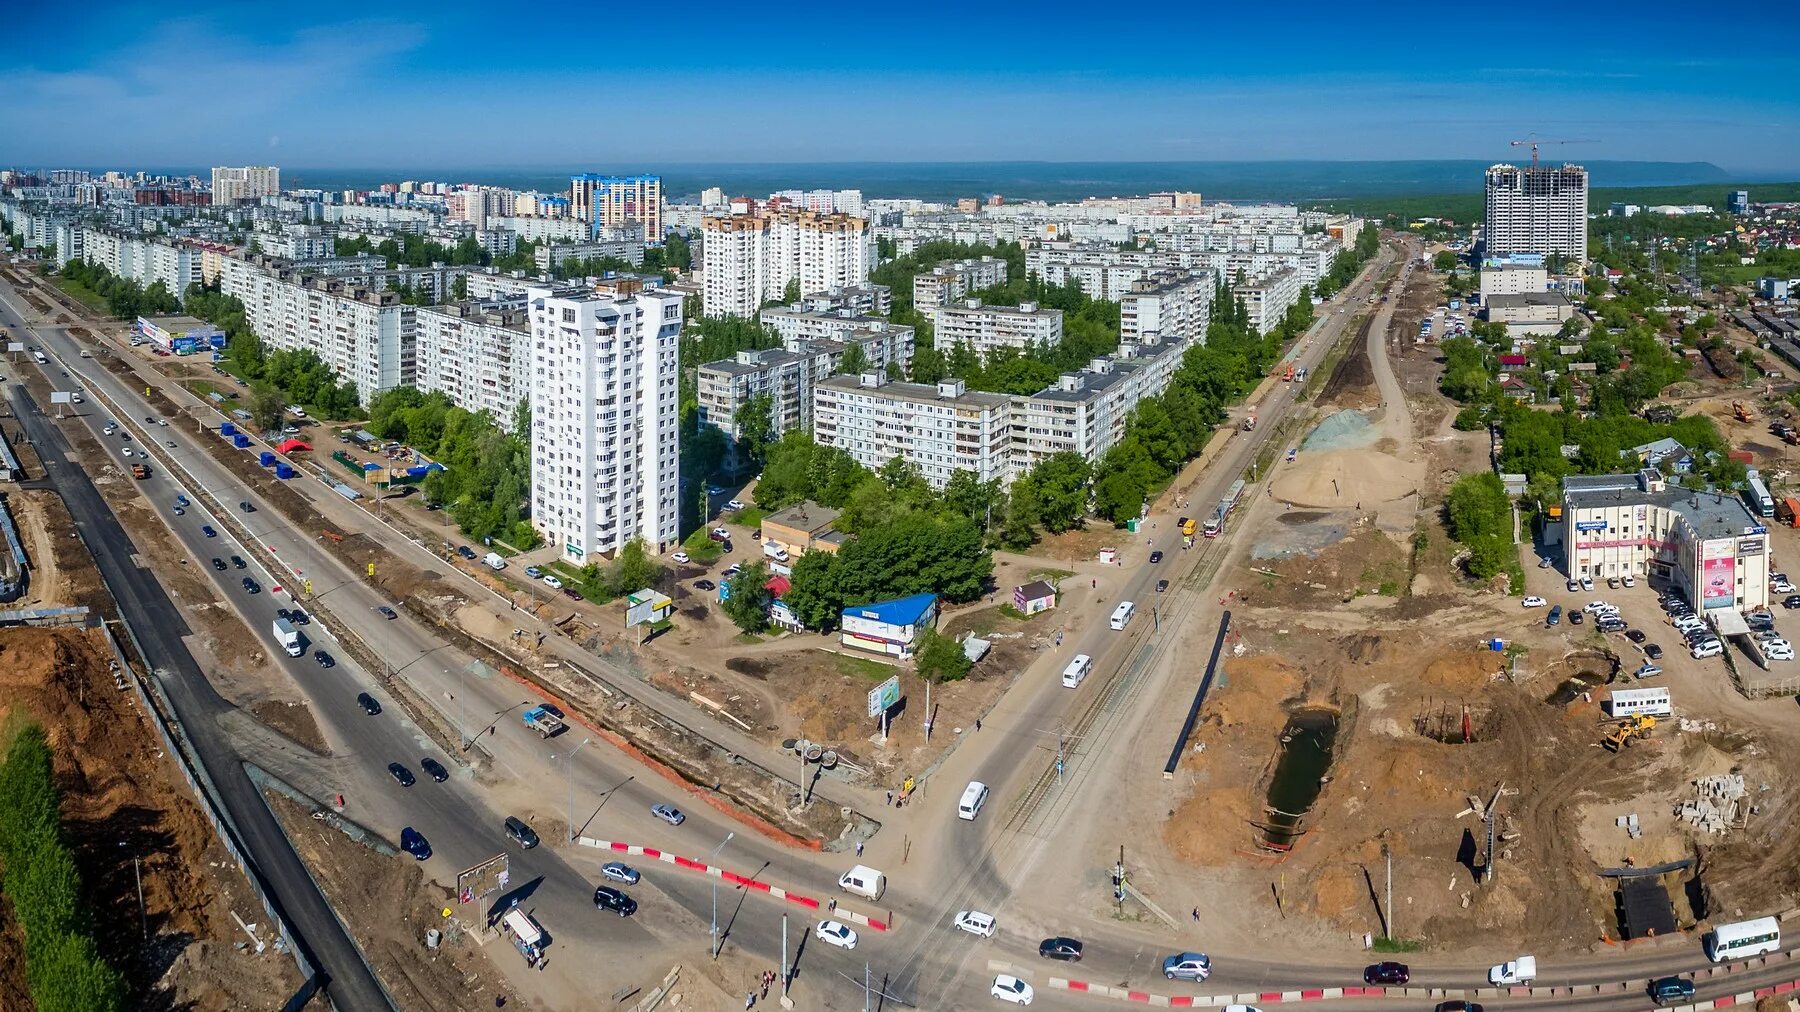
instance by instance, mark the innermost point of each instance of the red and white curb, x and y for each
(1744, 998)
(838, 911)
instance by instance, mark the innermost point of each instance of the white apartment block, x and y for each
(551, 254)
(365, 336)
(537, 228)
(1175, 304)
(1086, 412)
(802, 321)
(822, 201)
(231, 184)
(947, 283)
(938, 429)
(477, 354)
(1541, 209)
(789, 375)
(984, 328)
(749, 259)
(490, 285)
(861, 300)
(298, 242)
(604, 425)
(1267, 299)
(1513, 279)
(138, 258)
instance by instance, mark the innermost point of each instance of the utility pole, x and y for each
(865, 985)
(715, 894)
(1387, 912)
(1118, 881)
(570, 759)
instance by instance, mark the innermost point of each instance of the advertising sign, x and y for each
(61, 397)
(487, 877)
(1590, 525)
(883, 697)
(1750, 546)
(1718, 583)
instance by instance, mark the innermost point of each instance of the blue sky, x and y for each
(454, 85)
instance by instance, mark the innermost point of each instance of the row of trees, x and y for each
(486, 482)
(124, 299)
(63, 966)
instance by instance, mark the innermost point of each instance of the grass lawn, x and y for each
(205, 389)
(864, 667)
(1052, 576)
(571, 577)
(749, 518)
(82, 293)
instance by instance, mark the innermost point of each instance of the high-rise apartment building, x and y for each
(1176, 304)
(613, 201)
(1539, 209)
(478, 354)
(231, 184)
(604, 426)
(947, 283)
(1737, 202)
(749, 259)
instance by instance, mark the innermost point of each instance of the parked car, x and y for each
(608, 898)
(1067, 950)
(1387, 972)
(668, 813)
(413, 842)
(1636, 635)
(368, 703)
(718, 534)
(1187, 966)
(619, 872)
(1010, 988)
(552, 582)
(402, 776)
(1587, 584)
(714, 490)
(466, 552)
(1574, 586)
(1791, 601)
(1710, 648)
(1629, 580)
(1533, 601)
(703, 585)
(734, 505)
(1647, 671)
(1458, 1005)
(533, 572)
(975, 922)
(1162, 585)
(434, 769)
(1668, 990)
(1652, 651)
(1575, 618)
(836, 933)
(1555, 616)
(680, 558)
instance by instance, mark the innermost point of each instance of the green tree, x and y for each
(459, 287)
(814, 596)
(1024, 507)
(855, 360)
(747, 605)
(791, 294)
(633, 569)
(755, 428)
(1061, 485)
(677, 253)
(939, 658)
(1444, 262)
(267, 406)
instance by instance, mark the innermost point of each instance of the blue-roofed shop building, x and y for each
(1708, 545)
(889, 627)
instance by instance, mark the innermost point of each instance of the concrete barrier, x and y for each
(811, 903)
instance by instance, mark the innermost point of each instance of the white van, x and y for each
(1077, 670)
(973, 797)
(1121, 616)
(863, 881)
(494, 561)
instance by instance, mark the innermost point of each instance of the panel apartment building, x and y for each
(605, 433)
(365, 336)
(1085, 412)
(1540, 209)
(984, 328)
(790, 374)
(1268, 299)
(1174, 304)
(142, 259)
(614, 201)
(749, 259)
(478, 354)
(948, 283)
(233, 183)
(938, 429)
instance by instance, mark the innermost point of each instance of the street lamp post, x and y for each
(715, 894)
(570, 759)
(469, 742)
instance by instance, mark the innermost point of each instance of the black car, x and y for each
(237, 562)
(1458, 1006)
(1576, 618)
(1666, 990)
(325, 660)
(608, 898)
(1387, 972)
(1791, 601)
(219, 564)
(572, 593)
(465, 551)
(703, 585)
(433, 507)
(1155, 557)
(1636, 635)
(208, 531)
(1652, 651)
(283, 613)
(251, 587)
(368, 703)
(1162, 585)
(521, 834)
(1066, 949)
(403, 776)
(386, 612)
(244, 504)
(413, 842)
(726, 546)
(299, 617)
(434, 769)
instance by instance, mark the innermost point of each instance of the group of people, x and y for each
(769, 977)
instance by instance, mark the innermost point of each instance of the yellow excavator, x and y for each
(1622, 734)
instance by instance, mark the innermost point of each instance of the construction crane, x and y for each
(1532, 141)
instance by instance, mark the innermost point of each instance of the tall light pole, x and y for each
(470, 741)
(570, 759)
(715, 892)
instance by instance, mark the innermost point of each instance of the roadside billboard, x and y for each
(487, 877)
(1718, 583)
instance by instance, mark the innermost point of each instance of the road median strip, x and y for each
(1327, 993)
(811, 903)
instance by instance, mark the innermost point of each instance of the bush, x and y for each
(1469, 419)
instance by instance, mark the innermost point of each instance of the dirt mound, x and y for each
(1467, 671)
(1254, 693)
(1212, 826)
(1336, 479)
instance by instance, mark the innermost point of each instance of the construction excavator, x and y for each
(1633, 728)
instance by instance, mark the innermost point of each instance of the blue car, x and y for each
(533, 572)
(413, 842)
(208, 531)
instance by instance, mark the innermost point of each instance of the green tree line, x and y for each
(124, 299)
(63, 966)
(486, 482)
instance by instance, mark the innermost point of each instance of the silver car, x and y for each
(618, 871)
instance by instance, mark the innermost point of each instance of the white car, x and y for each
(1710, 648)
(126, 451)
(552, 582)
(1596, 607)
(1587, 584)
(836, 933)
(976, 923)
(720, 534)
(734, 505)
(1779, 653)
(1574, 586)
(1009, 988)
(681, 558)
(1629, 580)
(1533, 601)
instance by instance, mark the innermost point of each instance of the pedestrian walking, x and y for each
(749, 999)
(859, 847)
(1196, 915)
(977, 723)
(890, 799)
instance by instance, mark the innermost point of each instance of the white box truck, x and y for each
(288, 637)
(863, 881)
